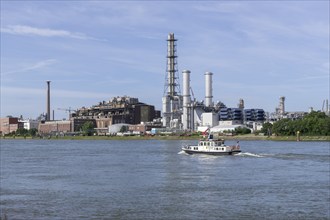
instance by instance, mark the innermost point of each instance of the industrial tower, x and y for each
(48, 102)
(172, 100)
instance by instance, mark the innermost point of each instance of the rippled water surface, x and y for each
(153, 179)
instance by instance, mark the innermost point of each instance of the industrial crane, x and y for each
(67, 110)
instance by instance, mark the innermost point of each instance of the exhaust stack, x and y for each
(208, 89)
(186, 117)
(48, 101)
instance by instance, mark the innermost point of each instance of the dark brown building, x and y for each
(55, 127)
(118, 110)
(9, 124)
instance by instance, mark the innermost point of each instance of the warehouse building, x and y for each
(118, 110)
(9, 124)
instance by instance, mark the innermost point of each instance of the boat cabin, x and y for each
(211, 143)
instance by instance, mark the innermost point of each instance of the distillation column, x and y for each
(208, 89)
(171, 100)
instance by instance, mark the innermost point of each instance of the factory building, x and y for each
(180, 111)
(9, 124)
(29, 123)
(54, 127)
(117, 110)
(229, 114)
(185, 113)
(257, 115)
(280, 112)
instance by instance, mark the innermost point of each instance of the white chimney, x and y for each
(208, 89)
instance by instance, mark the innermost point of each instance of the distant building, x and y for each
(29, 124)
(226, 114)
(142, 128)
(226, 126)
(117, 110)
(9, 124)
(257, 115)
(210, 119)
(54, 127)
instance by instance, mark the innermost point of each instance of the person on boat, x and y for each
(237, 145)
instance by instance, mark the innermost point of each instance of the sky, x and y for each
(95, 50)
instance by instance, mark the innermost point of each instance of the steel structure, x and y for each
(172, 103)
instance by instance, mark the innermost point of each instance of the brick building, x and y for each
(55, 127)
(117, 110)
(9, 124)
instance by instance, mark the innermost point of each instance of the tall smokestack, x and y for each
(48, 101)
(186, 117)
(282, 105)
(208, 89)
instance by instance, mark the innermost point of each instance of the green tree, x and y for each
(315, 123)
(32, 132)
(123, 128)
(242, 130)
(22, 132)
(87, 128)
(267, 128)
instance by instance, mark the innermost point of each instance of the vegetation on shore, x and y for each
(313, 127)
(178, 137)
(315, 123)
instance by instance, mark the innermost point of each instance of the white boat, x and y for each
(212, 146)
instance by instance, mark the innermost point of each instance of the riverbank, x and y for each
(251, 137)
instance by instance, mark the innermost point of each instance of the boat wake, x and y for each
(181, 152)
(247, 154)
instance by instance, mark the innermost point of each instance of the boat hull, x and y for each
(188, 151)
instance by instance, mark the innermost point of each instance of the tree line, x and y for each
(315, 123)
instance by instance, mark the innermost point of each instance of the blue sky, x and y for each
(95, 50)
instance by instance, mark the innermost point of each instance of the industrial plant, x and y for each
(180, 112)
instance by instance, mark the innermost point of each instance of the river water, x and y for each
(153, 179)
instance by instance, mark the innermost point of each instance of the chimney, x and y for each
(48, 101)
(186, 117)
(208, 89)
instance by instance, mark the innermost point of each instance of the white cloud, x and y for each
(38, 65)
(22, 92)
(223, 7)
(44, 32)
